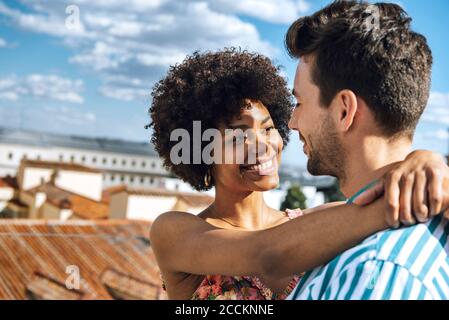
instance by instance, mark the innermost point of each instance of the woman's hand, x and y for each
(416, 189)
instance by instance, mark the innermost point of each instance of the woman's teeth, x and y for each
(262, 166)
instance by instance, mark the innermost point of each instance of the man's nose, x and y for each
(292, 124)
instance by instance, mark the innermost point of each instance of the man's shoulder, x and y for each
(417, 248)
(420, 251)
(404, 246)
(315, 282)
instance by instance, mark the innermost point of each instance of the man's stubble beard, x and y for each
(326, 153)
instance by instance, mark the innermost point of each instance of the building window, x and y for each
(142, 180)
(105, 160)
(131, 179)
(144, 164)
(10, 156)
(94, 160)
(151, 180)
(133, 163)
(153, 165)
(124, 162)
(122, 178)
(83, 159)
(38, 157)
(112, 178)
(72, 158)
(114, 161)
(61, 158)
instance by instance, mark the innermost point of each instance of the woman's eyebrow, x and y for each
(244, 126)
(241, 126)
(268, 118)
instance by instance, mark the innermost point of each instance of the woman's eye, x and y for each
(269, 128)
(298, 105)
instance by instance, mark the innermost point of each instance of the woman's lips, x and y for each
(266, 168)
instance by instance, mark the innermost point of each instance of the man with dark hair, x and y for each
(364, 77)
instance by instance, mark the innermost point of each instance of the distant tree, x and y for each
(294, 199)
(333, 193)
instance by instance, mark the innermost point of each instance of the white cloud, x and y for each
(139, 39)
(437, 111)
(70, 115)
(435, 135)
(40, 86)
(275, 11)
(51, 21)
(3, 43)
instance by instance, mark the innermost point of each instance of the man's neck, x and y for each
(371, 161)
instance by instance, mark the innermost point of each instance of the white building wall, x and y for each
(33, 177)
(65, 214)
(314, 198)
(88, 184)
(6, 194)
(10, 156)
(113, 164)
(274, 198)
(177, 184)
(148, 207)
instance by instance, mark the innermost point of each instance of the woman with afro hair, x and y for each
(232, 249)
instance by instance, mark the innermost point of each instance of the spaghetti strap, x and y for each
(294, 213)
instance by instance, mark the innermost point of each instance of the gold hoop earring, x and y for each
(207, 179)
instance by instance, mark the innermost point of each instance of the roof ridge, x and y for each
(108, 144)
(53, 222)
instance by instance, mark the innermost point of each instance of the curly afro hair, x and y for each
(211, 87)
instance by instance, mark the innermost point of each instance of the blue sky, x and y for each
(93, 75)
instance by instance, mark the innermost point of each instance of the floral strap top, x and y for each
(217, 287)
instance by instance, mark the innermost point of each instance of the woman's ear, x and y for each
(347, 105)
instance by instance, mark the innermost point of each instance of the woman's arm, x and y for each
(185, 243)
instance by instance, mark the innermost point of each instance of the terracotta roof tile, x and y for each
(8, 182)
(18, 203)
(189, 197)
(30, 247)
(82, 207)
(43, 287)
(126, 287)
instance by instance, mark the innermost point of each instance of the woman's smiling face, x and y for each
(259, 145)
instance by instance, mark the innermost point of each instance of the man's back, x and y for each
(408, 263)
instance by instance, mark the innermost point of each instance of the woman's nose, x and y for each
(261, 143)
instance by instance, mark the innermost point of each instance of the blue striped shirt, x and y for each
(403, 264)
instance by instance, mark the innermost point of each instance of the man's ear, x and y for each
(346, 108)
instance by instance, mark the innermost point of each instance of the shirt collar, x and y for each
(361, 191)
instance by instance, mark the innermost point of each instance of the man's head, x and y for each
(363, 71)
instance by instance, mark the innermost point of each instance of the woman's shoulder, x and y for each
(174, 217)
(171, 223)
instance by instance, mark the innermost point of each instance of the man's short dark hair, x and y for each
(378, 57)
